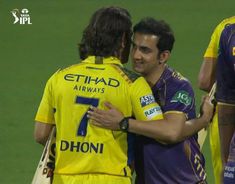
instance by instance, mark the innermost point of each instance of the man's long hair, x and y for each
(109, 29)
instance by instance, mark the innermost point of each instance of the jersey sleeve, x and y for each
(45, 113)
(144, 105)
(181, 99)
(212, 49)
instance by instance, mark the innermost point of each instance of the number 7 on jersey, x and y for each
(82, 129)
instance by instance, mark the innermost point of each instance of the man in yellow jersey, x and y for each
(206, 78)
(87, 154)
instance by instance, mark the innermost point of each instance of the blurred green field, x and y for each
(29, 54)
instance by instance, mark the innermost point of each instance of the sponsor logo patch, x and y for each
(182, 97)
(233, 51)
(146, 100)
(152, 112)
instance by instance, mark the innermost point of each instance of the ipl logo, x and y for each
(23, 17)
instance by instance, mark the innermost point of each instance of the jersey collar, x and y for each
(106, 60)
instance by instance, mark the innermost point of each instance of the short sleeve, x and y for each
(181, 99)
(144, 105)
(212, 49)
(46, 108)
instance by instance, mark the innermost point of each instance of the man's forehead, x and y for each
(145, 35)
(144, 38)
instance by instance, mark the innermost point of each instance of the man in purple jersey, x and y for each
(225, 95)
(159, 163)
(175, 157)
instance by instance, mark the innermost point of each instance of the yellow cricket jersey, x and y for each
(82, 148)
(212, 49)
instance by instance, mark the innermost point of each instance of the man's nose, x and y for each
(136, 54)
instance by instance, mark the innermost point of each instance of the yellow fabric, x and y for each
(66, 99)
(90, 179)
(212, 49)
(215, 148)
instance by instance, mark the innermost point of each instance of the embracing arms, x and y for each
(173, 128)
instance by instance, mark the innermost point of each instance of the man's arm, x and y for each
(42, 132)
(206, 76)
(168, 130)
(173, 128)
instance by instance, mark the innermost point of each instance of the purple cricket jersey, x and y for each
(225, 73)
(175, 163)
(226, 88)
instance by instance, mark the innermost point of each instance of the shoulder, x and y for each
(126, 73)
(227, 42)
(177, 80)
(61, 72)
(179, 94)
(229, 20)
(227, 36)
(229, 29)
(224, 23)
(70, 68)
(179, 86)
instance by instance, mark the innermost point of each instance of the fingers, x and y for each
(207, 99)
(109, 105)
(96, 110)
(209, 107)
(96, 123)
(92, 114)
(95, 118)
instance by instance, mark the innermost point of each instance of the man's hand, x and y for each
(105, 118)
(207, 110)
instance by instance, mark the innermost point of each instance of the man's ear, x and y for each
(123, 40)
(164, 56)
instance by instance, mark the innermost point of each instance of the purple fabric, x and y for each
(225, 73)
(176, 163)
(229, 172)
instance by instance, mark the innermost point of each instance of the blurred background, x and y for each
(30, 53)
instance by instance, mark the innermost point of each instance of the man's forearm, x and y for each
(42, 132)
(193, 126)
(161, 130)
(206, 77)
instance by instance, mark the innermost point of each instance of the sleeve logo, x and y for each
(146, 100)
(182, 97)
(152, 112)
(233, 51)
